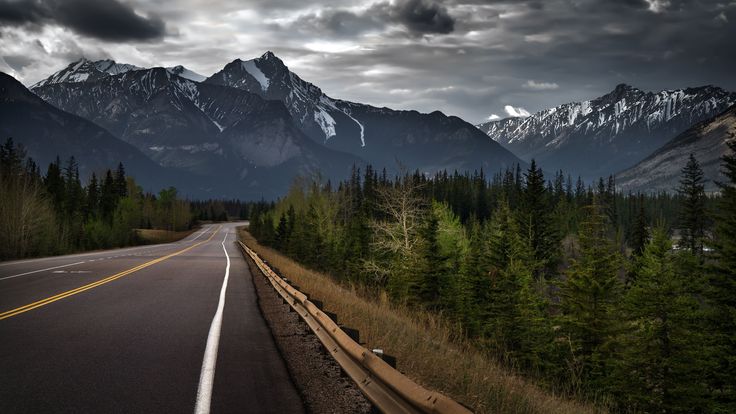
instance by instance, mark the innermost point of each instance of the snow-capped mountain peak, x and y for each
(84, 70)
(613, 130)
(186, 73)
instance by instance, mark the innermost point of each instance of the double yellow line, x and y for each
(51, 299)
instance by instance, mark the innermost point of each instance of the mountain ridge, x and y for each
(661, 170)
(381, 136)
(613, 131)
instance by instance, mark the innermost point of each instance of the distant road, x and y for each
(169, 328)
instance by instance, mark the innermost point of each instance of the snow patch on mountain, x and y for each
(326, 122)
(186, 73)
(250, 67)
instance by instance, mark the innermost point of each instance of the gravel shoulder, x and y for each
(318, 377)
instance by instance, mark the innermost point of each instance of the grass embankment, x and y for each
(429, 351)
(151, 236)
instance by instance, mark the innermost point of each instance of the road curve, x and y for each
(149, 329)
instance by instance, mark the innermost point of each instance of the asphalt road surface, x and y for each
(171, 328)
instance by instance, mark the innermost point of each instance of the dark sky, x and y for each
(471, 58)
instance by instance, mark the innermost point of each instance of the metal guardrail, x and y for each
(389, 390)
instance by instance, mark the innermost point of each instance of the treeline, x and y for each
(221, 210)
(53, 213)
(579, 287)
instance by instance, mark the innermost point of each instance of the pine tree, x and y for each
(282, 233)
(660, 367)
(120, 182)
(588, 298)
(722, 289)
(55, 185)
(93, 197)
(108, 198)
(692, 214)
(476, 282)
(535, 219)
(432, 280)
(640, 232)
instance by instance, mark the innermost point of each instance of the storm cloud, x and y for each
(415, 17)
(108, 20)
(470, 58)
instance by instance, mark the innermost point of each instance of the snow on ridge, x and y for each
(186, 73)
(253, 70)
(326, 122)
(327, 101)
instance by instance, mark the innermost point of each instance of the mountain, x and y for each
(209, 130)
(85, 70)
(610, 133)
(47, 132)
(661, 170)
(381, 136)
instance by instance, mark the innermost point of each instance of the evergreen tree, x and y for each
(589, 295)
(722, 290)
(640, 232)
(93, 197)
(55, 185)
(476, 282)
(432, 272)
(282, 233)
(108, 198)
(692, 214)
(120, 182)
(660, 367)
(535, 219)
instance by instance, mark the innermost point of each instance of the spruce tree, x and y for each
(661, 364)
(589, 296)
(640, 232)
(722, 289)
(121, 184)
(108, 198)
(692, 214)
(432, 281)
(535, 219)
(93, 197)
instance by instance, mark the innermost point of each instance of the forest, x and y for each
(54, 213)
(626, 300)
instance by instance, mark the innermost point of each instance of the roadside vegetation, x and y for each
(154, 236)
(429, 349)
(53, 213)
(579, 289)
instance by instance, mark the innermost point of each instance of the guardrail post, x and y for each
(354, 334)
(331, 315)
(389, 359)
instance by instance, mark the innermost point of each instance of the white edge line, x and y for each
(207, 376)
(41, 270)
(123, 249)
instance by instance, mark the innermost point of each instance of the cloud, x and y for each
(422, 16)
(493, 117)
(364, 50)
(540, 86)
(416, 17)
(108, 20)
(516, 112)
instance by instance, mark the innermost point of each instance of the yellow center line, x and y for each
(62, 295)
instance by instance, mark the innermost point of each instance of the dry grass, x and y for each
(427, 349)
(151, 236)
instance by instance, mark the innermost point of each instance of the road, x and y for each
(170, 328)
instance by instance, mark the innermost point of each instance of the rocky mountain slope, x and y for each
(381, 136)
(47, 132)
(661, 170)
(208, 130)
(610, 133)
